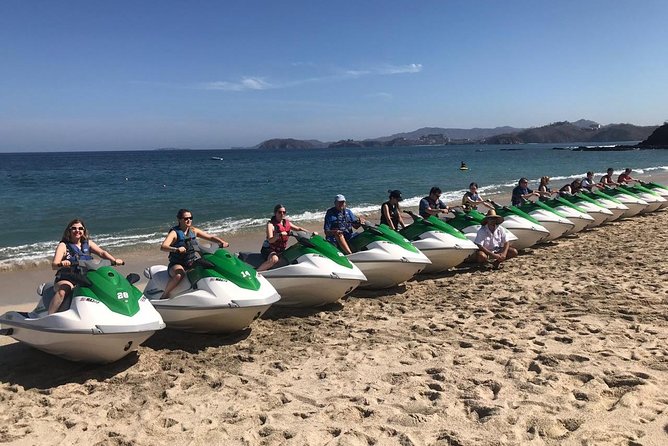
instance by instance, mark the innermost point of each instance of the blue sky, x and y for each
(94, 75)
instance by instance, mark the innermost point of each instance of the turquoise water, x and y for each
(130, 198)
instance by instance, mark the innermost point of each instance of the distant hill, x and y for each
(567, 132)
(472, 134)
(289, 143)
(658, 138)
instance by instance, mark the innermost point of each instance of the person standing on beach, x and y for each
(180, 244)
(491, 241)
(432, 204)
(340, 224)
(75, 245)
(390, 211)
(472, 199)
(522, 192)
(625, 177)
(278, 232)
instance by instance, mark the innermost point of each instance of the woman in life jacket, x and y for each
(180, 244)
(278, 233)
(75, 245)
(390, 211)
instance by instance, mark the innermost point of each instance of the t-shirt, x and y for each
(468, 197)
(342, 220)
(490, 240)
(586, 183)
(427, 203)
(517, 194)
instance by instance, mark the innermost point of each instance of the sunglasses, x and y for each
(77, 228)
(282, 212)
(186, 218)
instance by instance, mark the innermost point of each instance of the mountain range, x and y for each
(558, 132)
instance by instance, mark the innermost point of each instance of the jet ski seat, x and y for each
(255, 259)
(47, 292)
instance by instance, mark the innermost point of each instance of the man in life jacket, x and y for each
(340, 224)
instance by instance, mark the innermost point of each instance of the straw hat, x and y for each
(491, 215)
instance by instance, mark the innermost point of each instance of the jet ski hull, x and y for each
(214, 305)
(443, 250)
(386, 274)
(527, 233)
(579, 219)
(557, 226)
(312, 291)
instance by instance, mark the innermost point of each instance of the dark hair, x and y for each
(523, 179)
(473, 184)
(179, 215)
(394, 193)
(67, 232)
(435, 190)
(277, 207)
(610, 169)
(589, 172)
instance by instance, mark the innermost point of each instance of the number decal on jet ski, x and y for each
(122, 295)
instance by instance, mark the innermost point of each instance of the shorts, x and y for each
(266, 251)
(71, 275)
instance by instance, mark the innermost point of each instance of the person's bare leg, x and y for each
(269, 263)
(61, 288)
(176, 276)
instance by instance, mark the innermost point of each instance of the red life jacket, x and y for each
(282, 242)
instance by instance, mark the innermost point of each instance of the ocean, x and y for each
(129, 199)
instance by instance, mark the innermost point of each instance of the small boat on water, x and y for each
(217, 158)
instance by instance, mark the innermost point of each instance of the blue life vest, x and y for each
(74, 253)
(187, 242)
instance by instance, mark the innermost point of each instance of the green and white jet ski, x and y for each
(527, 229)
(551, 219)
(572, 212)
(221, 294)
(593, 208)
(385, 257)
(469, 222)
(655, 201)
(444, 246)
(104, 318)
(310, 273)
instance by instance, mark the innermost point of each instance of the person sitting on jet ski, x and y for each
(472, 199)
(278, 232)
(543, 188)
(432, 204)
(625, 177)
(588, 181)
(75, 245)
(180, 243)
(340, 224)
(522, 192)
(606, 180)
(390, 211)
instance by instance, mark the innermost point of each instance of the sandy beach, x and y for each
(568, 344)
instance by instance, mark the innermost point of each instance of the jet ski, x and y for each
(310, 273)
(656, 188)
(527, 229)
(468, 223)
(443, 245)
(572, 212)
(634, 203)
(221, 294)
(385, 257)
(593, 208)
(104, 318)
(654, 200)
(617, 208)
(552, 220)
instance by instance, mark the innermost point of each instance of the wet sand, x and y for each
(568, 344)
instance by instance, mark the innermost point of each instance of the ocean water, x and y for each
(129, 199)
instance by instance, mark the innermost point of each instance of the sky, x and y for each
(123, 75)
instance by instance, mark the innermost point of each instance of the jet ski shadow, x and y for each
(193, 342)
(275, 313)
(30, 368)
(373, 294)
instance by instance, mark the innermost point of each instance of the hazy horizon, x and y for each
(144, 75)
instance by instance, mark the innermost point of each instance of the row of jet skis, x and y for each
(107, 316)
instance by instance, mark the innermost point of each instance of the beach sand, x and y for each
(568, 344)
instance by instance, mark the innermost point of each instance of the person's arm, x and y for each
(167, 244)
(357, 221)
(103, 254)
(401, 219)
(58, 256)
(212, 238)
(385, 209)
(271, 237)
(327, 227)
